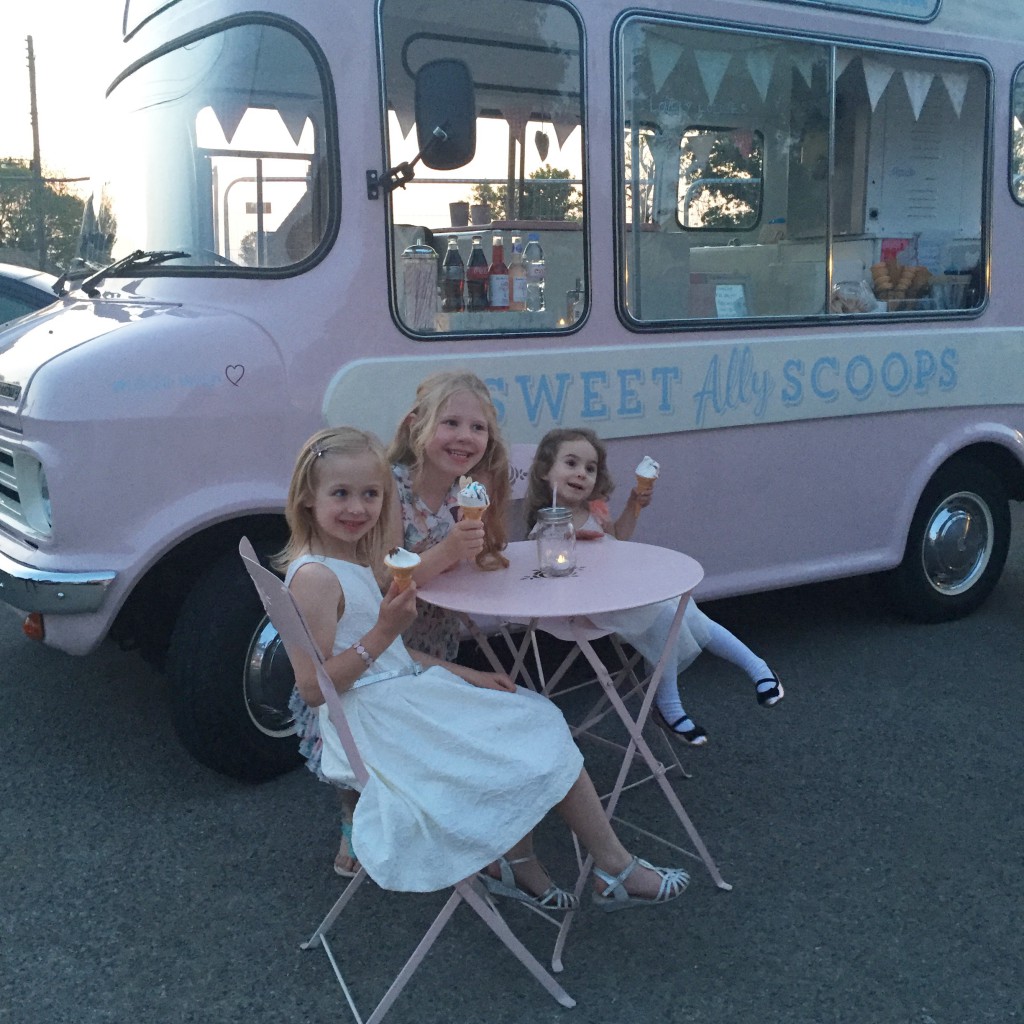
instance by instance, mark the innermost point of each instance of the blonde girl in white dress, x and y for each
(462, 764)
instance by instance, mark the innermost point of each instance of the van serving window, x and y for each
(772, 177)
(524, 177)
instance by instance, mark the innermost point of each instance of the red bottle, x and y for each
(497, 277)
(476, 278)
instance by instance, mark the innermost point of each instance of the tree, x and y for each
(62, 216)
(732, 169)
(548, 194)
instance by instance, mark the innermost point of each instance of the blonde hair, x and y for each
(348, 441)
(420, 424)
(538, 490)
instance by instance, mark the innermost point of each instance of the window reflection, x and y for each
(526, 177)
(767, 177)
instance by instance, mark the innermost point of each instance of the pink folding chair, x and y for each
(284, 614)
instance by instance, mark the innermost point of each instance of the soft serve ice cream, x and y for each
(646, 473)
(401, 564)
(473, 499)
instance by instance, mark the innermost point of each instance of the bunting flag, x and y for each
(760, 64)
(804, 61)
(918, 84)
(664, 56)
(843, 58)
(517, 125)
(230, 110)
(712, 65)
(294, 116)
(401, 98)
(565, 119)
(876, 78)
(956, 86)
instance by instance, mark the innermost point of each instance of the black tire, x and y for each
(230, 679)
(957, 545)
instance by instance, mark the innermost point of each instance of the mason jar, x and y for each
(419, 287)
(556, 541)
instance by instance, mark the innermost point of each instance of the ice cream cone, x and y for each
(644, 484)
(646, 473)
(473, 512)
(402, 578)
(401, 564)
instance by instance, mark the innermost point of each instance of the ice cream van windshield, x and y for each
(219, 148)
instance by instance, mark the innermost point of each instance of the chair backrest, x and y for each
(520, 459)
(291, 627)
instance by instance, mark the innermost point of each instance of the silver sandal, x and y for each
(673, 883)
(553, 898)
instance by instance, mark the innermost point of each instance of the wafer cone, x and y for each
(644, 484)
(402, 577)
(474, 512)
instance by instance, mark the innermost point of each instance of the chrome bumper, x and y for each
(60, 593)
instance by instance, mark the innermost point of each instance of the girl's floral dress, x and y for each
(436, 631)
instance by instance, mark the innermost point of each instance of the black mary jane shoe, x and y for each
(772, 695)
(695, 736)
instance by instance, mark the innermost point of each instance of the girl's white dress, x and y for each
(457, 774)
(647, 628)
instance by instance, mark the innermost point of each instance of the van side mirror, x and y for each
(445, 100)
(445, 107)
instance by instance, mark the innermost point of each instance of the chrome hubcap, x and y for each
(958, 543)
(268, 683)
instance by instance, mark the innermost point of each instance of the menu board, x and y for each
(919, 10)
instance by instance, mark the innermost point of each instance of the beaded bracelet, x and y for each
(363, 653)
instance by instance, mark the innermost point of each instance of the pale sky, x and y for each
(74, 47)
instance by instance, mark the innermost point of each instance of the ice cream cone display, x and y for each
(646, 473)
(401, 564)
(473, 499)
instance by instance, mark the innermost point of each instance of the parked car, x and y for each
(23, 290)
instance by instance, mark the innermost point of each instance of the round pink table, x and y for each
(610, 575)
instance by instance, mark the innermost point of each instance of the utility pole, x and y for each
(37, 166)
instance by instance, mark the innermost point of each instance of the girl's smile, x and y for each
(347, 501)
(461, 437)
(573, 474)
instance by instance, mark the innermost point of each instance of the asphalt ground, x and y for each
(872, 826)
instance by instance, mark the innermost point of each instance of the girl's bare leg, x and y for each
(582, 811)
(344, 860)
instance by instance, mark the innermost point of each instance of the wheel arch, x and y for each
(146, 619)
(996, 447)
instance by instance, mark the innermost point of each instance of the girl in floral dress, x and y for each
(451, 431)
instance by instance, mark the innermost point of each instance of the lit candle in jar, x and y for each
(556, 541)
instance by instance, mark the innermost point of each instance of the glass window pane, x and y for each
(1017, 138)
(909, 177)
(218, 149)
(525, 176)
(729, 130)
(765, 177)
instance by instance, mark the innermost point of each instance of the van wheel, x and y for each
(957, 545)
(230, 679)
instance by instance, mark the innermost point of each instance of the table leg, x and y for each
(639, 744)
(518, 654)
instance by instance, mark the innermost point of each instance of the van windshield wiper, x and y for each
(132, 261)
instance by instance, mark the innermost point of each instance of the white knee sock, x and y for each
(724, 645)
(667, 698)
